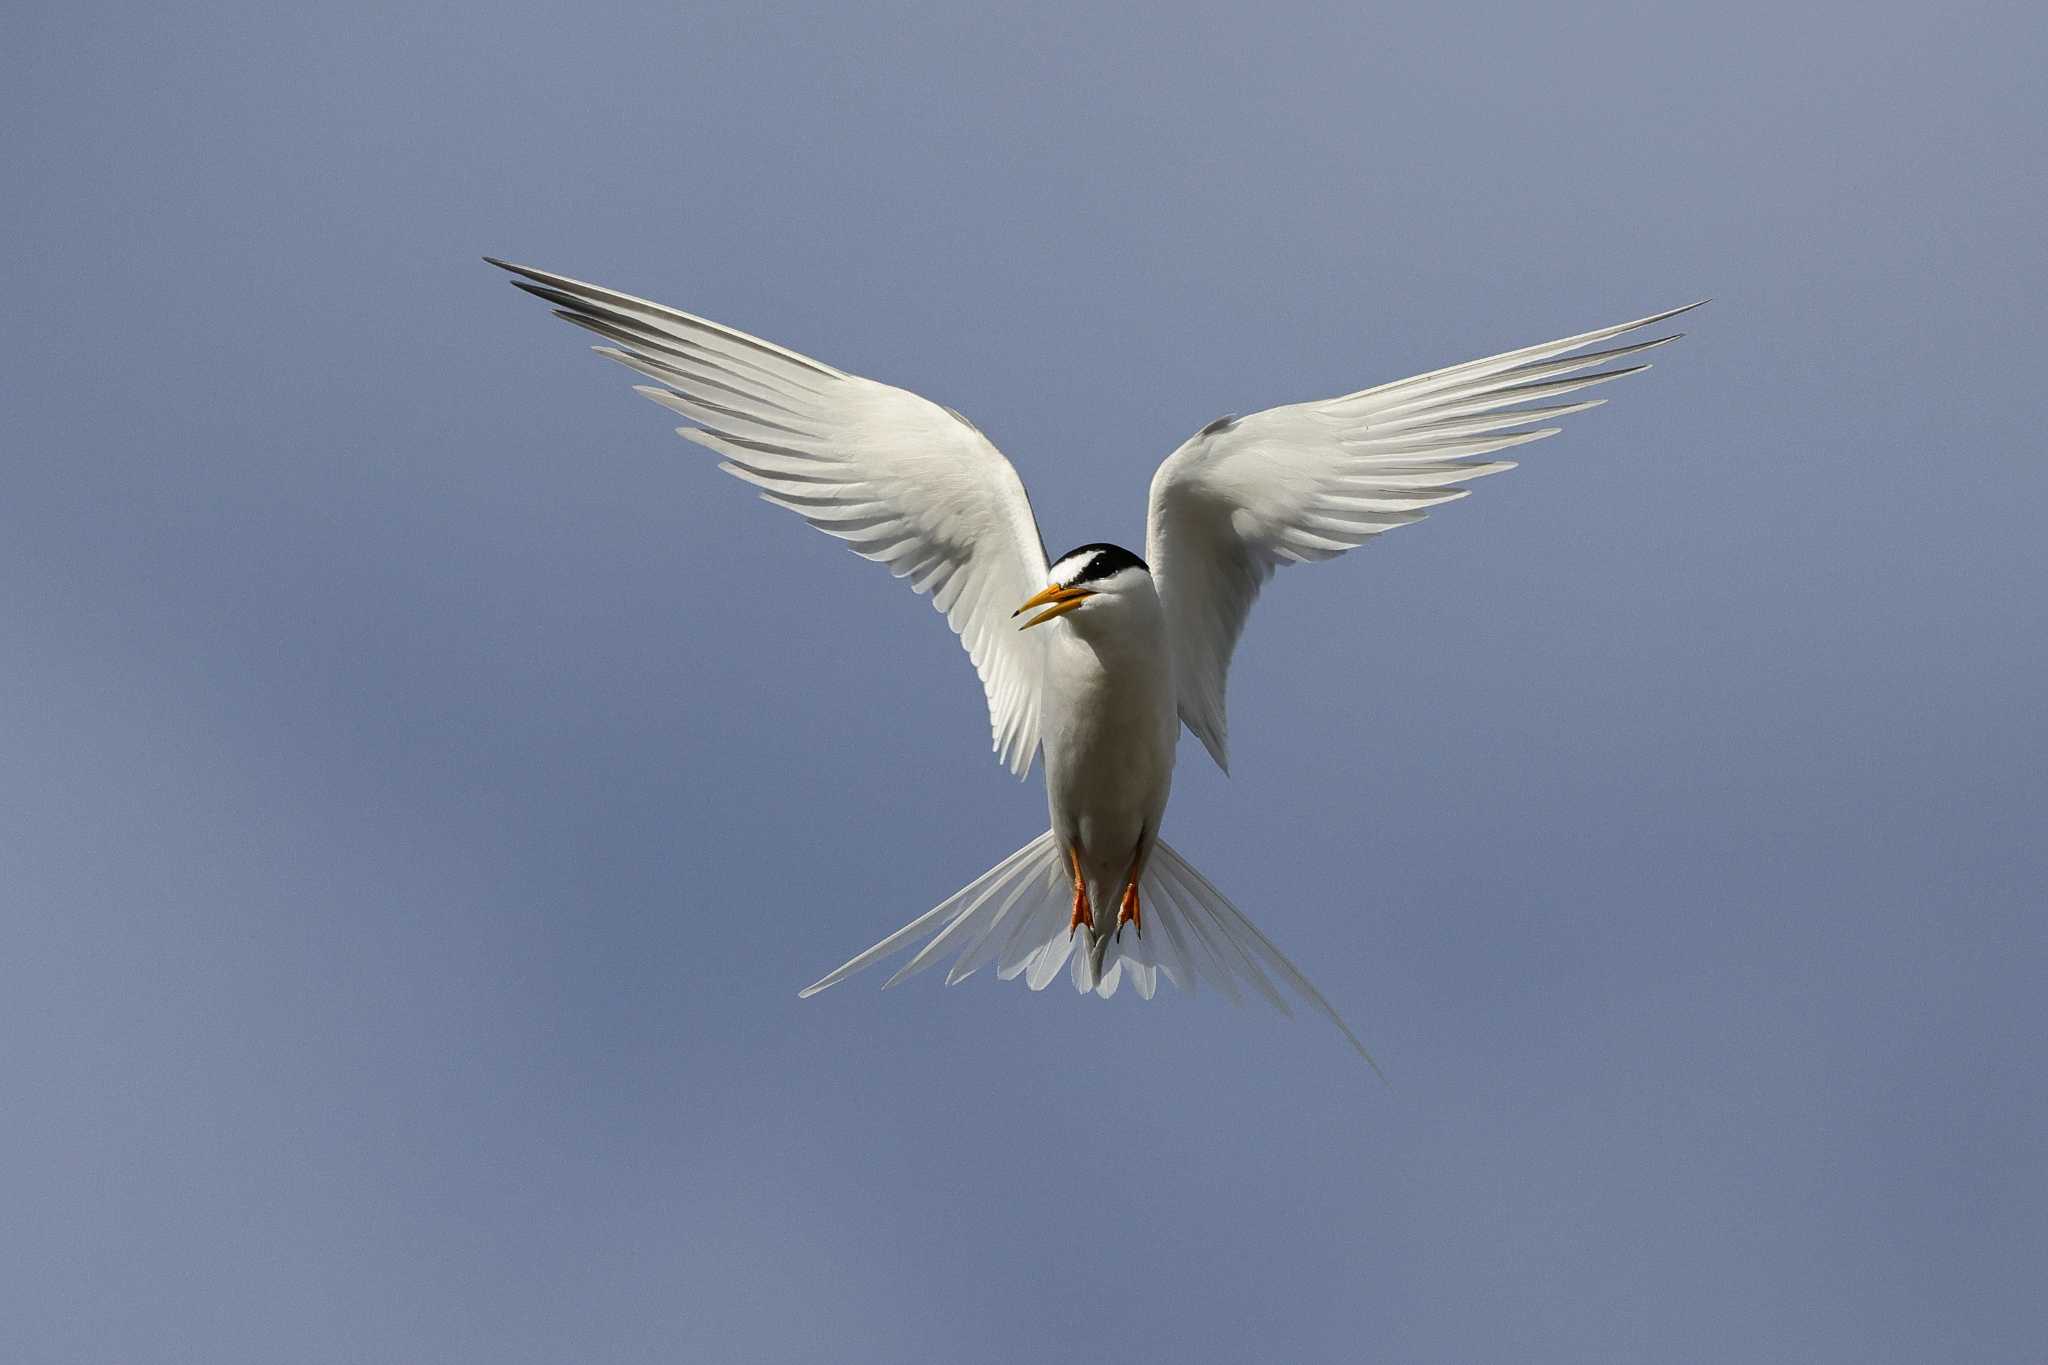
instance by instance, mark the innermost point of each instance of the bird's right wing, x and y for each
(902, 480)
(1311, 480)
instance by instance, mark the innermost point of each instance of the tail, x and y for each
(1015, 917)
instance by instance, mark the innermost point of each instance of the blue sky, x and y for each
(428, 782)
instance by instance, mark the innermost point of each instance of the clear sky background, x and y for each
(426, 782)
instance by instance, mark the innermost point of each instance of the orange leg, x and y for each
(1082, 914)
(1128, 911)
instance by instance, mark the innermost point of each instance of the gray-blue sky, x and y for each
(428, 782)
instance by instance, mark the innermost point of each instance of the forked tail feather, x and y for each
(1015, 917)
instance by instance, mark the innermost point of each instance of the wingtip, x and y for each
(528, 276)
(513, 268)
(1666, 315)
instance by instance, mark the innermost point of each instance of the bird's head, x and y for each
(1106, 572)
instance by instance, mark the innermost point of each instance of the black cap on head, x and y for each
(1102, 561)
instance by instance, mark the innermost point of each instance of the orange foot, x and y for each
(1128, 913)
(1081, 912)
(1082, 915)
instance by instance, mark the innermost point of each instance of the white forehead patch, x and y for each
(1094, 562)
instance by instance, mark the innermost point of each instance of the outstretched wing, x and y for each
(1311, 480)
(902, 480)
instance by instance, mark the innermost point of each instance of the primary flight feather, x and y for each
(1132, 650)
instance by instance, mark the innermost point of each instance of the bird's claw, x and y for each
(1128, 913)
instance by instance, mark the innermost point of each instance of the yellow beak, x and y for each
(1063, 600)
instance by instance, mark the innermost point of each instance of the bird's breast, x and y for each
(1109, 741)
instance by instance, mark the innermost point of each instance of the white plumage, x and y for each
(1131, 651)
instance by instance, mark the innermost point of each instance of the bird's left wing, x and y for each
(902, 480)
(1312, 480)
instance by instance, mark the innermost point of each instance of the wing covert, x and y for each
(901, 480)
(1311, 480)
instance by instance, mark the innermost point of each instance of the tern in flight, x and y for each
(1098, 657)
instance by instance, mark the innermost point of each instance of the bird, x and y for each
(1099, 658)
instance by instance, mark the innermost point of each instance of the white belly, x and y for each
(1109, 739)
